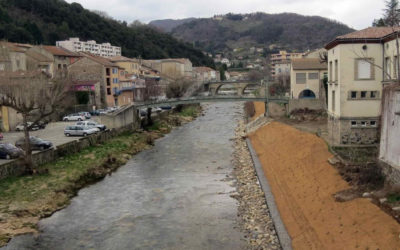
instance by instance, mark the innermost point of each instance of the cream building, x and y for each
(306, 78)
(357, 63)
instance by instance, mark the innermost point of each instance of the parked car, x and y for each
(1, 137)
(143, 112)
(166, 107)
(74, 117)
(92, 124)
(102, 111)
(35, 142)
(95, 112)
(9, 151)
(77, 130)
(20, 127)
(42, 124)
(87, 115)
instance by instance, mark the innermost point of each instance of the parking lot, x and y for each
(53, 132)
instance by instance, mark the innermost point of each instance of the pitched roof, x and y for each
(38, 57)
(308, 63)
(202, 69)
(368, 35)
(16, 47)
(102, 60)
(59, 51)
(121, 59)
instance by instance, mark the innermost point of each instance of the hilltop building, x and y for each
(103, 49)
(282, 57)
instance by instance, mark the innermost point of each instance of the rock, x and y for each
(396, 208)
(366, 195)
(333, 161)
(382, 200)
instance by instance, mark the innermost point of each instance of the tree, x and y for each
(391, 15)
(35, 95)
(255, 75)
(177, 88)
(378, 23)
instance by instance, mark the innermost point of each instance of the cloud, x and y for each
(355, 13)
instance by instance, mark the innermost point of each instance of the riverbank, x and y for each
(304, 184)
(25, 200)
(255, 219)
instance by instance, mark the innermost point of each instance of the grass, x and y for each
(189, 111)
(393, 198)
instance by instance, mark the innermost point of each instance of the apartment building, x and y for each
(172, 68)
(282, 57)
(103, 49)
(205, 74)
(359, 64)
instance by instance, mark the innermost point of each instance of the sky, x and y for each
(357, 14)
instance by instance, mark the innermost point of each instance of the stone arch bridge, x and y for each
(239, 86)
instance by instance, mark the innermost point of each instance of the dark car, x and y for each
(36, 143)
(166, 107)
(9, 151)
(95, 112)
(1, 137)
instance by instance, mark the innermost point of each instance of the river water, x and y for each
(173, 196)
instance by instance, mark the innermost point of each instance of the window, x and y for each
(108, 91)
(108, 81)
(333, 101)
(372, 123)
(387, 68)
(354, 123)
(301, 78)
(363, 124)
(364, 69)
(353, 94)
(115, 71)
(374, 94)
(336, 70)
(395, 67)
(312, 76)
(59, 66)
(108, 71)
(330, 72)
(364, 94)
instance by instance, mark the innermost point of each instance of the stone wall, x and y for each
(314, 104)
(342, 132)
(127, 116)
(392, 174)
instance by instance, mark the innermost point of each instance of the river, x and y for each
(173, 196)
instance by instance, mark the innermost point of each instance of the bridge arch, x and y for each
(223, 84)
(247, 86)
(307, 94)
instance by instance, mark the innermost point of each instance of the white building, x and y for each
(104, 49)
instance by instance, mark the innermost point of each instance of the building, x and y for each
(282, 68)
(306, 78)
(173, 68)
(205, 74)
(359, 64)
(13, 56)
(389, 153)
(282, 56)
(226, 62)
(131, 65)
(100, 69)
(103, 49)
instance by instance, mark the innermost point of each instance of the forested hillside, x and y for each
(286, 30)
(47, 21)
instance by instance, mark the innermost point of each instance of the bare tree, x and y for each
(255, 75)
(34, 95)
(177, 88)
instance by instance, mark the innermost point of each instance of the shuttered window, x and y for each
(301, 78)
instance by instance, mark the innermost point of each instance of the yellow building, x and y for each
(132, 66)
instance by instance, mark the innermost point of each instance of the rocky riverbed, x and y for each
(255, 220)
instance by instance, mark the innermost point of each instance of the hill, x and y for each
(47, 21)
(280, 31)
(167, 25)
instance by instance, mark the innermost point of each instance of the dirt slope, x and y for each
(303, 183)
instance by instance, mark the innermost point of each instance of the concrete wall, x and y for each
(390, 134)
(314, 104)
(127, 116)
(311, 84)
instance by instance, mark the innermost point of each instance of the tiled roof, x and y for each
(102, 60)
(308, 63)
(368, 35)
(121, 59)
(38, 57)
(16, 47)
(202, 69)
(59, 51)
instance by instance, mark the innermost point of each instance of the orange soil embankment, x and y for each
(303, 182)
(259, 108)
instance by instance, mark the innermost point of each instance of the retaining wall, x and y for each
(314, 104)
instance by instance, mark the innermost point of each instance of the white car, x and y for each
(20, 127)
(90, 123)
(74, 117)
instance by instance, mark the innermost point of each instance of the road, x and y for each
(173, 196)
